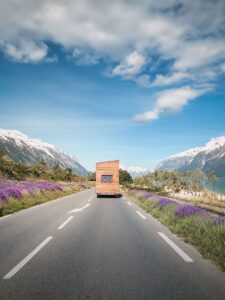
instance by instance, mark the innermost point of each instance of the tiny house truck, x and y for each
(107, 178)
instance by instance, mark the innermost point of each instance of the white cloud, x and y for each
(132, 65)
(199, 53)
(85, 58)
(223, 67)
(25, 51)
(170, 79)
(174, 29)
(122, 33)
(143, 81)
(169, 101)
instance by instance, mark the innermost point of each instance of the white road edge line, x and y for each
(27, 259)
(79, 209)
(64, 224)
(141, 215)
(129, 203)
(177, 249)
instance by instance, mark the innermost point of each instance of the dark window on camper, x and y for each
(106, 178)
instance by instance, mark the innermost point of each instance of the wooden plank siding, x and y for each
(110, 168)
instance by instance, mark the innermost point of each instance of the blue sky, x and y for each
(144, 82)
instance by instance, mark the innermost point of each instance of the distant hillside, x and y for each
(209, 157)
(22, 148)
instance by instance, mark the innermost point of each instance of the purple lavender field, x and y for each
(15, 195)
(181, 210)
(197, 225)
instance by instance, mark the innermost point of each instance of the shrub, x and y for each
(188, 210)
(164, 201)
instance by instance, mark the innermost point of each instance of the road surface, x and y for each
(83, 247)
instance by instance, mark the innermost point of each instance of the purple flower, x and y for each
(219, 221)
(46, 186)
(3, 196)
(189, 210)
(81, 185)
(14, 189)
(164, 201)
(147, 195)
(143, 194)
(13, 192)
(29, 190)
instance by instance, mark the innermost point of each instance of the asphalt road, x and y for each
(83, 247)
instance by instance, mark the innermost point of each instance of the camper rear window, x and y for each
(106, 178)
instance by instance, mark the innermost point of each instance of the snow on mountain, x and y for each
(214, 144)
(135, 170)
(189, 153)
(206, 158)
(22, 148)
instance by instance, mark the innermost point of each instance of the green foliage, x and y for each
(212, 178)
(209, 238)
(14, 205)
(157, 181)
(124, 177)
(2, 153)
(20, 171)
(92, 176)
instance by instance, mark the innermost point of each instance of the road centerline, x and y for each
(141, 215)
(89, 200)
(27, 259)
(129, 203)
(65, 223)
(79, 209)
(177, 249)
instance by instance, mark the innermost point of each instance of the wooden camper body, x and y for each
(107, 178)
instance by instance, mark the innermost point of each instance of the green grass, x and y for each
(28, 201)
(200, 232)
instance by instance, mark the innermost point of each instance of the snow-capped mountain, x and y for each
(22, 148)
(135, 171)
(209, 157)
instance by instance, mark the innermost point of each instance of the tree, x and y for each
(212, 178)
(92, 176)
(2, 153)
(68, 174)
(56, 166)
(124, 177)
(197, 180)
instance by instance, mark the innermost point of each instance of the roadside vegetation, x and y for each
(10, 169)
(17, 195)
(23, 185)
(124, 177)
(188, 187)
(162, 181)
(196, 225)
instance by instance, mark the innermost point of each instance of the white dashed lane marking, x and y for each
(66, 222)
(27, 259)
(141, 215)
(79, 209)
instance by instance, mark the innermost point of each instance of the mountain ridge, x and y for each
(206, 158)
(22, 148)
